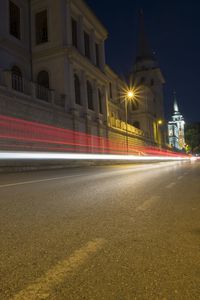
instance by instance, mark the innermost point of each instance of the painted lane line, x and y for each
(180, 177)
(38, 181)
(148, 203)
(130, 170)
(169, 186)
(43, 286)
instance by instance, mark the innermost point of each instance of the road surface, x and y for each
(114, 232)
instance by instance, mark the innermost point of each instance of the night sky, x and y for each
(173, 28)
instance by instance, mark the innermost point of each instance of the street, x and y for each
(104, 232)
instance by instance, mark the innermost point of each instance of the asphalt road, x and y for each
(118, 232)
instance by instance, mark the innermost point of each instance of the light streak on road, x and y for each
(20, 139)
(11, 155)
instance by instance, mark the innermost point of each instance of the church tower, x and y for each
(148, 80)
(176, 128)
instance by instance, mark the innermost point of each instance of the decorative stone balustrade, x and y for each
(116, 123)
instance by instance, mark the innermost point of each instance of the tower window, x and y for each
(14, 20)
(87, 44)
(74, 33)
(41, 27)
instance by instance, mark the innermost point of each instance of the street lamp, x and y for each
(159, 123)
(129, 96)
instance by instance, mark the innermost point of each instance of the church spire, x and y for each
(144, 50)
(176, 109)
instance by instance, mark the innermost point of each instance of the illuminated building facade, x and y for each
(53, 71)
(176, 128)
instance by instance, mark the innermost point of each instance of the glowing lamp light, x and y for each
(160, 122)
(130, 94)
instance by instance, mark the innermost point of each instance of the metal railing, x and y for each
(20, 84)
(17, 83)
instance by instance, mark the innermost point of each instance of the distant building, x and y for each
(53, 71)
(176, 128)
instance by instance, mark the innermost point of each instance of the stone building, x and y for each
(53, 71)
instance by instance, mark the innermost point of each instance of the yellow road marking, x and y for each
(41, 289)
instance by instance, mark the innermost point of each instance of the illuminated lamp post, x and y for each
(129, 96)
(159, 123)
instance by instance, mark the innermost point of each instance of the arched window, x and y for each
(90, 96)
(43, 85)
(142, 80)
(17, 80)
(134, 105)
(77, 88)
(136, 124)
(100, 101)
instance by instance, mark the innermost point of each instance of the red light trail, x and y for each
(20, 135)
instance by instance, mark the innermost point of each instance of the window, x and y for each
(134, 105)
(17, 80)
(152, 82)
(142, 80)
(77, 88)
(110, 89)
(74, 33)
(14, 20)
(43, 79)
(136, 124)
(87, 44)
(43, 85)
(100, 102)
(90, 96)
(97, 55)
(41, 27)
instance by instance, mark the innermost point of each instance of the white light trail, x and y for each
(11, 155)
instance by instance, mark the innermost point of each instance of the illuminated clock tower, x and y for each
(176, 128)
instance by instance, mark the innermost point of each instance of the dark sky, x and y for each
(173, 28)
